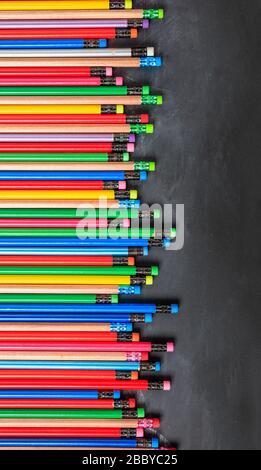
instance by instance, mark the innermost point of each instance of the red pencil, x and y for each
(88, 384)
(63, 260)
(73, 119)
(102, 404)
(77, 147)
(69, 33)
(56, 72)
(50, 374)
(60, 81)
(70, 432)
(107, 336)
(94, 346)
(59, 184)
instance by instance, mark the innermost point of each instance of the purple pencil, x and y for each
(67, 138)
(4, 24)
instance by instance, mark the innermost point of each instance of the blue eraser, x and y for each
(129, 327)
(145, 251)
(154, 443)
(166, 242)
(130, 203)
(157, 366)
(103, 43)
(174, 308)
(137, 290)
(116, 395)
(150, 61)
(143, 175)
(148, 318)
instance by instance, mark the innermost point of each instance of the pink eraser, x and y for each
(166, 385)
(126, 223)
(139, 432)
(119, 81)
(130, 147)
(122, 184)
(170, 347)
(108, 71)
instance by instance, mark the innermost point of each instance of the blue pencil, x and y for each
(69, 175)
(52, 43)
(75, 365)
(73, 241)
(128, 308)
(93, 443)
(73, 318)
(118, 251)
(59, 394)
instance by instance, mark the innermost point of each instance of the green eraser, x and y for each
(154, 270)
(149, 128)
(141, 412)
(125, 156)
(173, 233)
(146, 90)
(152, 166)
(159, 99)
(160, 13)
(157, 213)
(114, 299)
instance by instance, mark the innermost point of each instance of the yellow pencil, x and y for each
(66, 279)
(65, 5)
(56, 109)
(62, 194)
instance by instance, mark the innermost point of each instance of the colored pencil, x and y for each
(86, 204)
(83, 14)
(72, 356)
(61, 81)
(61, 109)
(84, 346)
(66, 194)
(64, 157)
(99, 52)
(62, 185)
(76, 242)
(114, 318)
(81, 365)
(92, 443)
(130, 62)
(73, 175)
(68, 33)
(40, 44)
(73, 289)
(71, 146)
(60, 394)
(65, 5)
(81, 280)
(105, 235)
(13, 260)
(81, 271)
(68, 374)
(38, 326)
(71, 138)
(74, 213)
(70, 99)
(74, 118)
(83, 384)
(77, 128)
(78, 166)
(70, 432)
(129, 403)
(104, 336)
(55, 72)
(120, 308)
(59, 298)
(91, 413)
(82, 24)
(101, 251)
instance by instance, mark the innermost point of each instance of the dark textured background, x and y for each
(205, 144)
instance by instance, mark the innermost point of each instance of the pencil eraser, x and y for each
(132, 138)
(156, 213)
(166, 242)
(149, 128)
(119, 109)
(132, 403)
(150, 61)
(154, 443)
(160, 13)
(135, 337)
(145, 251)
(152, 166)
(129, 327)
(128, 4)
(119, 81)
(108, 71)
(126, 223)
(150, 51)
(145, 90)
(144, 356)
(159, 100)
(125, 157)
(114, 299)
(172, 233)
(144, 118)
(130, 147)
(156, 423)
(174, 308)
(134, 33)
(139, 432)
(143, 176)
(147, 318)
(145, 24)
(134, 375)
(166, 385)
(103, 43)
(170, 346)
(140, 412)
(137, 290)
(157, 366)
(133, 194)
(116, 394)
(154, 270)
(149, 280)
(131, 261)
(122, 184)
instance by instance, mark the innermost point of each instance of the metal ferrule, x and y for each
(155, 385)
(108, 109)
(110, 185)
(143, 270)
(103, 299)
(91, 43)
(120, 261)
(122, 194)
(124, 337)
(121, 404)
(135, 23)
(138, 280)
(129, 414)
(98, 72)
(147, 366)
(123, 33)
(115, 157)
(136, 251)
(139, 52)
(121, 375)
(108, 81)
(159, 347)
(134, 90)
(144, 443)
(134, 119)
(155, 242)
(121, 138)
(105, 394)
(128, 433)
(117, 147)
(132, 175)
(117, 5)
(163, 309)
(138, 318)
